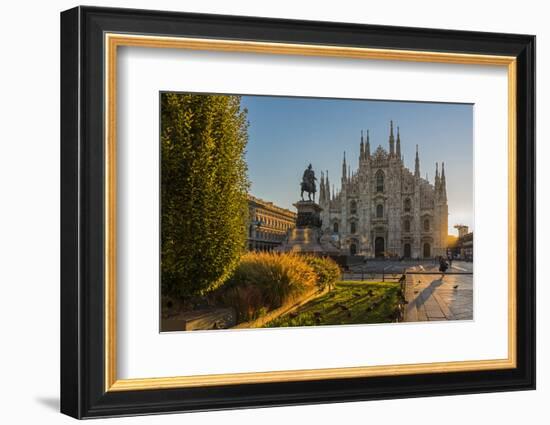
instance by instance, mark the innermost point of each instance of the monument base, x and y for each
(306, 237)
(308, 214)
(302, 240)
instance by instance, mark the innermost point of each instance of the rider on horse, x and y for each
(308, 183)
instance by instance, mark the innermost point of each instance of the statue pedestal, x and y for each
(306, 237)
(309, 214)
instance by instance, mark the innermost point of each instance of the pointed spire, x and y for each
(367, 148)
(322, 188)
(392, 149)
(327, 188)
(443, 184)
(362, 148)
(398, 148)
(417, 164)
(344, 167)
(436, 179)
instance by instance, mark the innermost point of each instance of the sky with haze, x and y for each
(288, 133)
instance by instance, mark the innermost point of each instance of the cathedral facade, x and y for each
(383, 209)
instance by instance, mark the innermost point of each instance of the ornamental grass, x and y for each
(265, 281)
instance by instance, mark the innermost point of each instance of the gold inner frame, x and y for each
(113, 41)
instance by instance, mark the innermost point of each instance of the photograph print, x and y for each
(281, 212)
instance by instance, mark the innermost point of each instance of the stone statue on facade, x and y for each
(308, 183)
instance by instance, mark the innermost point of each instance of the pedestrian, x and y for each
(450, 261)
(443, 265)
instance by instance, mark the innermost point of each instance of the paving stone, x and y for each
(436, 298)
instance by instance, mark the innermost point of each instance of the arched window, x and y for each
(407, 205)
(379, 181)
(353, 207)
(335, 227)
(426, 225)
(407, 226)
(379, 211)
(353, 227)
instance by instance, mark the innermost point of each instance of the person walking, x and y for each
(443, 266)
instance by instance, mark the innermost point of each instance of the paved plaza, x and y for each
(433, 297)
(390, 266)
(430, 296)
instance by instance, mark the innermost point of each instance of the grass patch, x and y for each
(350, 302)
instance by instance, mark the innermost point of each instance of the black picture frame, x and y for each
(83, 392)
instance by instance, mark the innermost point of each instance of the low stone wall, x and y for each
(200, 320)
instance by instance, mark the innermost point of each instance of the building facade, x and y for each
(463, 248)
(268, 224)
(383, 209)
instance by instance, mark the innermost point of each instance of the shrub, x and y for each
(326, 269)
(265, 281)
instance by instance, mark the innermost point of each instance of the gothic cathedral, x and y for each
(383, 209)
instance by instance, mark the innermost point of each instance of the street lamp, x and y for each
(258, 225)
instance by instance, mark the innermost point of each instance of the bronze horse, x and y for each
(308, 184)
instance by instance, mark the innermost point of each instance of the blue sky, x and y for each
(288, 133)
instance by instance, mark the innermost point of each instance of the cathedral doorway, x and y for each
(379, 247)
(407, 250)
(353, 249)
(427, 250)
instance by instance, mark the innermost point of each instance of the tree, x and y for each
(204, 188)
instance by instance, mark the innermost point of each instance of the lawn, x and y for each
(350, 302)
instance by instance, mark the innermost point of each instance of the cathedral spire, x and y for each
(327, 188)
(443, 185)
(322, 189)
(367, 148)
(344, 167)
(392, 149)
(436, 179)
(362, 148)
(398, 148)
(417, 164)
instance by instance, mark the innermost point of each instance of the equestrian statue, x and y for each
(308, 183)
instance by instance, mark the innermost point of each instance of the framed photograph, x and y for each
(261, 212)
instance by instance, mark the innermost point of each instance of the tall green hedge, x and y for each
(204, 185)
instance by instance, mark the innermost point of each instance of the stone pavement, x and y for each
(431, 297)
